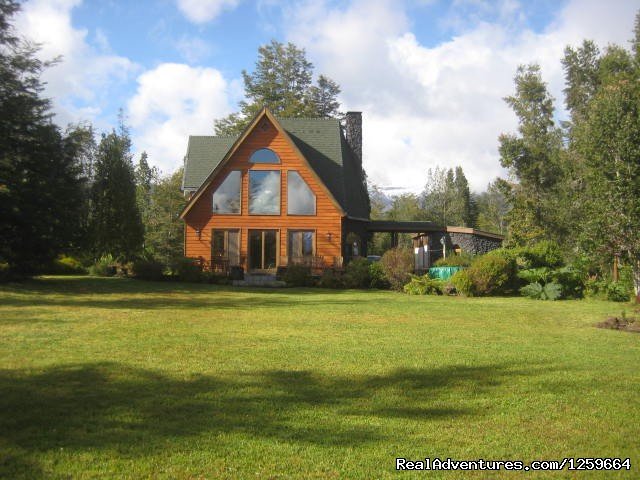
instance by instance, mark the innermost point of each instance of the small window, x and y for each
(264, 155)
(300, 199)
(226, 198)
(264, 192)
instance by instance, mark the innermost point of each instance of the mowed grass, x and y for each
(114, 378)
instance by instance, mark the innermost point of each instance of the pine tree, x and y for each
(164, 231)
(146, 178)
(281, 81)
(116, 226)
(40, 178)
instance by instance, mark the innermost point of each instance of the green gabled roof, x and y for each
(204, 153)
(321, 142)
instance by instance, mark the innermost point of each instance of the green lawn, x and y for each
(113, 378)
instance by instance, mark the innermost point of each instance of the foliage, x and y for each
(147, 268)
(378, 278)
(66, 265)
(187, 269)
(606, 138)
(397, 264)
(146, 177)
(548, 291)
(115, 224)
(493, 273)
(163, 229)
(447, 198)
(424, 285)
(331, 279)
(533, 159)
(617, 292)
(105, 266)
(282, 81)
(298, 276)
(40, 174)
(462, 283)
(356, 274)
(461, 260)
(493, 207)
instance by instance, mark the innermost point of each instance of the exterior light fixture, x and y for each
(329, 237)
(198, 233)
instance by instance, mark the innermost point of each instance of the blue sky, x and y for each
(428, 75)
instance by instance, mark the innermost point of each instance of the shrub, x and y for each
(462, 283)
(493, 273)
(298, 276)
(564, 282)
(423, 285)
(66, 265)
(542, 254)
(356, 274)
(331, 279)
(377, 276)
(106, 266)
(146, 269)
(613, 291)
(397, 264)
(462, 260)
(617, 292)
(187, 269)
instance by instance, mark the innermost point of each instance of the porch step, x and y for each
(259, 280)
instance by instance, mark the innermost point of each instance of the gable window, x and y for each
(264, 192)
(226, 198)
(300, 199)
(264, 155)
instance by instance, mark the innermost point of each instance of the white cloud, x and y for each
(203, 11)
(442, 105)
(79, 84)
(174, 101)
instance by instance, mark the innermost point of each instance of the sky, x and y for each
(429, 76)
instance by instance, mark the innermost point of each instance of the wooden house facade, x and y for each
(286, 191)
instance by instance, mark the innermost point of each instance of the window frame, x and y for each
(315, 197)
(314, 240)
(279, 162)
(213, 212)
(279, 212)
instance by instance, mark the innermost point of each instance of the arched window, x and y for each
(264, 155)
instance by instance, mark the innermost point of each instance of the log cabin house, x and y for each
(286, 191)
(292, 191)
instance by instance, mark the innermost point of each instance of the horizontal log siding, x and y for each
(327, 218)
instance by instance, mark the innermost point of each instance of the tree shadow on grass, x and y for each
(119, 293)
(109, 407)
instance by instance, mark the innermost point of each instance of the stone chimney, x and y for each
(353, 134)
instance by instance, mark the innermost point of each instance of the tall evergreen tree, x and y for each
(608, 138)
(281, 81)
(164, 230)
(533, 158)
(146, 179)
(116, 225)
(492, 208)
(40, 179)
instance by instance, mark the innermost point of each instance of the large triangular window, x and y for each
(226, 198)
(300, 199)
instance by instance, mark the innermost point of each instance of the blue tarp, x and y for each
(443, 273)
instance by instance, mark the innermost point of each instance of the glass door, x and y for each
(263, 250)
